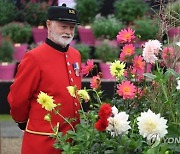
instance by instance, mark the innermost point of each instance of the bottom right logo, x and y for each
(153, 139)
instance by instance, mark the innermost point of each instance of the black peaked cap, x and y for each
(63, 13)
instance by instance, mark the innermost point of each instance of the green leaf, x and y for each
(150, 76)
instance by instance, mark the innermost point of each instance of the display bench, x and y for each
(107, 86)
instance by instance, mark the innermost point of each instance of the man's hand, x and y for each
(22, 125)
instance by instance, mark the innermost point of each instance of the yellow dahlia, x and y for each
(46, 101)
(72, 91)
(117, 69)
(83, 94)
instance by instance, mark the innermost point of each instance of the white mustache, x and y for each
(66, 35)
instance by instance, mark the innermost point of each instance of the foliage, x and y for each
(87, 10)
(84, 50)
(7, 11)
(106, 52)
(6, 51)
(36, 13)
(17, 32)
(106, 28)
(130, 10)
(146, 28)
(172, 12)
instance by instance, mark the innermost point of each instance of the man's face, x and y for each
(61, 33)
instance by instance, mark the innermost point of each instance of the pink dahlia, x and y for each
(125, 35)
(95, 82)
(138, 63)
(88, 67)
(126, 89)
(168, 53)
(127, 51)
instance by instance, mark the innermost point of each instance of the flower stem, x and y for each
(83, 112)
(66, 121)
(132, 130)
(164, 91)
(162, 85)
(98, 98)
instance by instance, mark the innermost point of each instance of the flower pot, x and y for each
(39, 34)
(7, 71)
(149, 67)
(105, 69)
(174, 32)
(20, 50)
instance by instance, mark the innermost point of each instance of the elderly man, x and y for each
(50, 68)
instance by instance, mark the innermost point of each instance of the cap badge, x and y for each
(71, 12)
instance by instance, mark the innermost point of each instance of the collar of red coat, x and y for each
(57, 46)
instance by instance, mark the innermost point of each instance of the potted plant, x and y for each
(84, 50)
(7, 11)
(130, 10)
(36, 15)
(87, 10)
(106, 52)
(106, 27)
(20, 35)
(7, 67)
(145, 29)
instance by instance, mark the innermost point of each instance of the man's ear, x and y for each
(48, 23)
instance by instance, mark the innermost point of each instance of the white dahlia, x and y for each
(114, 110)
(118, 124)
(151, 50)
(150, 123)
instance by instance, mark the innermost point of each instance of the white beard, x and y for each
(60, 40)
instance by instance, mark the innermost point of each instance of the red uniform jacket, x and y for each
(51, 71)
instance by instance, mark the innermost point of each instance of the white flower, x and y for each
(151, 49)
(178, 43)
(114, 110)
(178, 86)
(151, 123)
(118, 124)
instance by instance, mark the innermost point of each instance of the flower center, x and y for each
(128, 51)
(126, 89)
(127, 36)
(150, 126)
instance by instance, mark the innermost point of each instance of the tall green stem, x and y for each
(83, 112)
(162, 85)
(98, 98)
(66, 121)
(164, 91)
